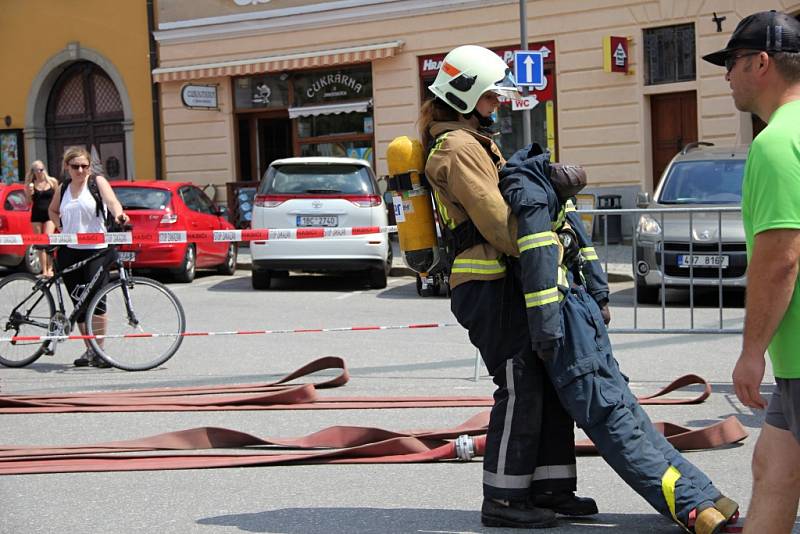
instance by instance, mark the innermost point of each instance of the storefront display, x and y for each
(304, 113)
(261, 92)
(11, 161)
(509, 123)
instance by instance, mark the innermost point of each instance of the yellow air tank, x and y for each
(413, 207)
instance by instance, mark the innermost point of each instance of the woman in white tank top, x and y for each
(75, 212)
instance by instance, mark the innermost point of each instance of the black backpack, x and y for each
(100, 207)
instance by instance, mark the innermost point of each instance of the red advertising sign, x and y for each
(429, 66)
(615, 54)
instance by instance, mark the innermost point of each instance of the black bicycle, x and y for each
(144, 319)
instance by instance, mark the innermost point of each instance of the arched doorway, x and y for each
(85, 109)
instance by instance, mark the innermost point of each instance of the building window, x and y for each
(669, 54)
(261, 92)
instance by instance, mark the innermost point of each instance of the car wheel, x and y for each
(426, 292)
(389, 259)
(187, 269)
(229, 267)
(30, 263)
(260, 279)
(646, 294)
(377, 278)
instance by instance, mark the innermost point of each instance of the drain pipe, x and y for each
(154, 90)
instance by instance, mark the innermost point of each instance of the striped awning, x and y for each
(285, 62)
(330, 109)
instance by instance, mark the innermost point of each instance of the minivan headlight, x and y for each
(648, 226)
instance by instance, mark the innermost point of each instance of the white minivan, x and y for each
(320, 192)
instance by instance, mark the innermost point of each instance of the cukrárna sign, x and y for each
(200, 96)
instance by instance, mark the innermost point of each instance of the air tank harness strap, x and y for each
(465, 236)
(404, 181)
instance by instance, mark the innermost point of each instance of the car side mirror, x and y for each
(642, 199)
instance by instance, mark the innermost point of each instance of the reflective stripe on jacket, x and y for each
(462, 168)
(525, 184)
(594, 277)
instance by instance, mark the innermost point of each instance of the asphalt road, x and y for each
(427, 498)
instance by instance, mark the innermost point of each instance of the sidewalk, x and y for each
(619, 261)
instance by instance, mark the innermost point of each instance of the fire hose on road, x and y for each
(340, 444)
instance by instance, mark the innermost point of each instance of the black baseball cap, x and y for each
(768, 31)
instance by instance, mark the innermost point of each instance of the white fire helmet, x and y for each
(469, 71)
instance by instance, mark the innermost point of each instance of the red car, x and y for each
(15, 218)
(174, 206)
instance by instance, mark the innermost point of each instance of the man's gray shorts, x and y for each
(783, 410)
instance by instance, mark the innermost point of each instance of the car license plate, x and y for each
(703, 260)
(126, 256)
(317, 220)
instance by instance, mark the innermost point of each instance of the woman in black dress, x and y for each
(39, 188)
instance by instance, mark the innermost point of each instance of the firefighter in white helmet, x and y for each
(529, 465)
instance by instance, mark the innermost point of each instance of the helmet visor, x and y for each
(507, 86)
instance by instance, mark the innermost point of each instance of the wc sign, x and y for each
(524, 102)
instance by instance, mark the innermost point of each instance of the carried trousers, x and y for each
(596, 394)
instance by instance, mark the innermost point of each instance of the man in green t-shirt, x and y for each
(762, 60)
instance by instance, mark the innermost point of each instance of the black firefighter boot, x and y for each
(565, 503)
(515, 514)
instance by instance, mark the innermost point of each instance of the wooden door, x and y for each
(85, 110)
(673, 117)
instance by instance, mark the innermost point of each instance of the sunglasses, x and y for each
(37, 170)
(78, 166)
(730, 61)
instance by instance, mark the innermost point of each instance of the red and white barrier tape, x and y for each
(191, 236)
(228, 332)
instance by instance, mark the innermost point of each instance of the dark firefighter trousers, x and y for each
(530, 439)
(596, 394)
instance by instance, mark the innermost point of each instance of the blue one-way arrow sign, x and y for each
(528, 67)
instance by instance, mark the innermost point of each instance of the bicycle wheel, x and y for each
(156, 311)
(23, 312)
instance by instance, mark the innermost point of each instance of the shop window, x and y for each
(328, 86)
(261, 92)
(11, 158)
(669, 54)
(509, 126)
(338, 124)
(344, 149)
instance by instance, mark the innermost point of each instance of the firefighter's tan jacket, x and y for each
(462, 169)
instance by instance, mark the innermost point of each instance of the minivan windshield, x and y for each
(340, 179)
(142, 198)
(704, 182)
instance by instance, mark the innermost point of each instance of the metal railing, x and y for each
(662, 216)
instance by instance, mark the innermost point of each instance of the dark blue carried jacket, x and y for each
(526, 186)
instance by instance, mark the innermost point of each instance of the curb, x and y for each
(616, 277)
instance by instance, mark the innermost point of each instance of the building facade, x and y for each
(77, 73)
(288, 77)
